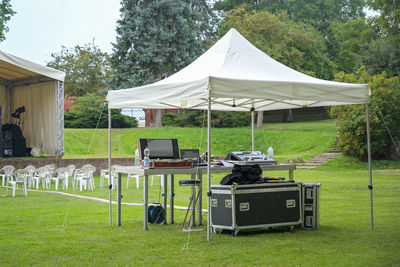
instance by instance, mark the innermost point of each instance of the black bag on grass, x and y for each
(156, 214)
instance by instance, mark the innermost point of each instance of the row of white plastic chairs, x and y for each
(104, 175)
(32, 177)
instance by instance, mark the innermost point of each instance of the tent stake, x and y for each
(369, 167)
(109, 162)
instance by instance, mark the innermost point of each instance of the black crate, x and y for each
(310, 195)
(237, 207)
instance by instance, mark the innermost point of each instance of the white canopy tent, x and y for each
(234, 75)
(41, 90)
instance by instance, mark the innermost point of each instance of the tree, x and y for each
(320, 14)
(6, 13)
(389, 18)
(156, 39)
(354, 38)
(293, 44)
(86, 67)
(384, 109)
(383, 53)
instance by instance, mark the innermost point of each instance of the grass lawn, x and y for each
(289, 140)
(46, 230)
(52, 230)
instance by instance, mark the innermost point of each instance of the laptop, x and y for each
(193, 155)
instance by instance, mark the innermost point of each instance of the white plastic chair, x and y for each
(133, 176)
(21, 177)
(71, 168)
(50, 174)
(105, 175)
(61, 174)
(41, 176)
(31, 169)
(7, 173)
(85, 177)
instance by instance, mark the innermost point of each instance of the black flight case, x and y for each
(310, 198)
(239, 207)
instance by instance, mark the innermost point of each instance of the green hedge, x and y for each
(198, 118)
(86, 111)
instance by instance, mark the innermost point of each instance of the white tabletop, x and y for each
(138, 170)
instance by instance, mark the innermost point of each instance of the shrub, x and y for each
(351, 119)
(86, 111)
(195, 118)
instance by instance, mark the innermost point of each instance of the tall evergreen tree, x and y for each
(156, 38)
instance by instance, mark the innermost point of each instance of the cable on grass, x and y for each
(86, 156)
(186, 246)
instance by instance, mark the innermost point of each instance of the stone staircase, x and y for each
(320, 159)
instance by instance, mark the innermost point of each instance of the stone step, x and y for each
(323, 157)
(305, 167)
(309, 164)
(320, 159)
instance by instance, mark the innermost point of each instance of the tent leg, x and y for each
(109, 163)
(252, 132)
(208, 168)
(369, 166)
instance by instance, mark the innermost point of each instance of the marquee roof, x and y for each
(13, 68)
(237, 76)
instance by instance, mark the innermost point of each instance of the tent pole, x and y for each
(109, 162)
(208, 168)
(252, 131)
(369, 167)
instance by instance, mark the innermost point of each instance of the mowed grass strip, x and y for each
(289, 140)
(46, 230)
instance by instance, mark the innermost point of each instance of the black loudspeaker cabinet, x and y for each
(310, 195)
(14, 143)
(238, 207)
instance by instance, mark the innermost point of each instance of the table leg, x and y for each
(193, 207)
(165, 187)
(200, 204)
(291, 175)
(145, 202)
(171, 201)
(7, 185)
(119, 200)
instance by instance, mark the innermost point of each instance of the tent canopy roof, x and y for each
(13, 68)
(238, 76)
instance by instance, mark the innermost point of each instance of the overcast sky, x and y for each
(41, 27)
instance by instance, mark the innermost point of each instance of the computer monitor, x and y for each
(190, 154)
(159, 148)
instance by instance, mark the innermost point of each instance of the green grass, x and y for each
(47, 230)
(349, 163)
(289, 140)
(52, 230)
